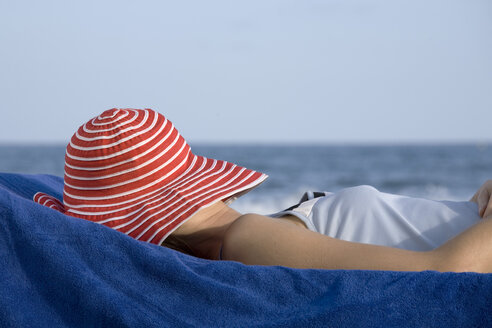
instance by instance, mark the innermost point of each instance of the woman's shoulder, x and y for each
(244, 226)
(250, 223)
(253, 233)
(238, 234)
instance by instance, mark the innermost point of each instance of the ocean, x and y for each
(451, 171)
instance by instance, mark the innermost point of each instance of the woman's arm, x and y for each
(484, 200)
(260, 240)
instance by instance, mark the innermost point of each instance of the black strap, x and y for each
(307, 196)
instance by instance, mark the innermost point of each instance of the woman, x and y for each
(132, 171)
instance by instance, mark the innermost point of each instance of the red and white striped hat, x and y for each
(131, 170)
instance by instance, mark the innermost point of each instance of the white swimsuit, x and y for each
(364, 214)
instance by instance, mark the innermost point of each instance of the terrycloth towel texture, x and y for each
(56, 270)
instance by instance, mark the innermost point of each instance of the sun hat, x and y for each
(131, 170)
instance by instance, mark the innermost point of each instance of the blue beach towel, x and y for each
(56, 270)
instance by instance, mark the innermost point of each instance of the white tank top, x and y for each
(365, 215)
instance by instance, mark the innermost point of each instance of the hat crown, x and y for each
(123, 151)
(110, 113)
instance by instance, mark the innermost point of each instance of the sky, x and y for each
(332, 71)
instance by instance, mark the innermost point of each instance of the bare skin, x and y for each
(260, 240)
(483, 197)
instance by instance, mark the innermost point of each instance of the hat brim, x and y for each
(153, 216)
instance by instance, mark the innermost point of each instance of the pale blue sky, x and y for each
(251, 71)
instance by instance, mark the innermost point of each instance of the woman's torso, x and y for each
(364, 214)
